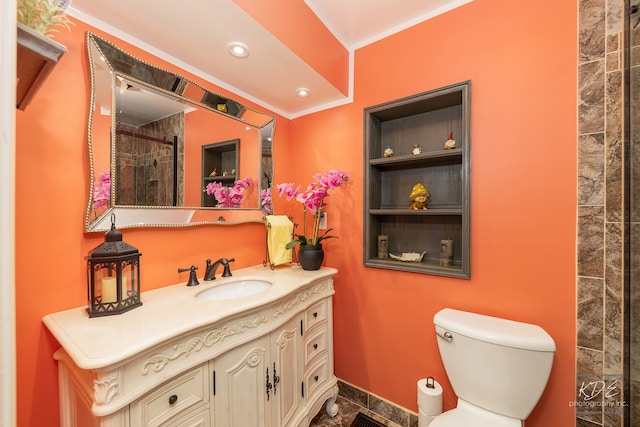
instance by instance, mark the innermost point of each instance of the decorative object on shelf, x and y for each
(43, 16)
(225, 173)
(113, 275)
(446, 252)
(313, 200)
(450, 143)
(383, 246)
(229, 197)
(419, 197)
(388, 151)
(233, 171)
(214, 172)
(408, 256)
(416, 149)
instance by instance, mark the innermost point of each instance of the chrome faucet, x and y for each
(210, 272)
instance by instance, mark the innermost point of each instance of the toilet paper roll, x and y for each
(429, 398)
(424, 420)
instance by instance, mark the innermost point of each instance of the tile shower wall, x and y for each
(634, 130)
(600, 285)
(145, 162)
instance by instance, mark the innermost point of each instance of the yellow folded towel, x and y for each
(279, 229)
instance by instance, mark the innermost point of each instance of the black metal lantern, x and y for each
(113, 275)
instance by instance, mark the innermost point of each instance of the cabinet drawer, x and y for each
(184, 392)
(315, 314)
(315, 343)
(317, 375)
(200, 418)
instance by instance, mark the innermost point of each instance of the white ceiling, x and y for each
(194, 34)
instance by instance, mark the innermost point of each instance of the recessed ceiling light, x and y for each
(302, 92)
(239, 50)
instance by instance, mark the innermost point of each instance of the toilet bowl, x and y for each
(498, 368)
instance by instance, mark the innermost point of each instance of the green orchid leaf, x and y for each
(292, 244)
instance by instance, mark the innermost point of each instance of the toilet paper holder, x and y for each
(431, 383)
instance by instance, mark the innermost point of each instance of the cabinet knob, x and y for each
(173, 399)
(315, 346)
(315, 314)
(315, 378)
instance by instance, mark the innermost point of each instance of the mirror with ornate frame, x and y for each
(165, 152)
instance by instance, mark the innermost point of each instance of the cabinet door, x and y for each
(240, 385)
(286, 366)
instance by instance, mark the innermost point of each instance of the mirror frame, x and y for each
(172, 216)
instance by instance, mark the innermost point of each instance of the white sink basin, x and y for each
(232, 290)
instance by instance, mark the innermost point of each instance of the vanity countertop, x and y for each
(168, 312)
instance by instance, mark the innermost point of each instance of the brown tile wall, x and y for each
(634, 259)
(390, 413)
(146, 167)
(600, 281)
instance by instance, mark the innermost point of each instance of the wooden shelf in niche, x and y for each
(36, 56)
(425, 119)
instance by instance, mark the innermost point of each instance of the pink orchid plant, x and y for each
(265, 200)
(229, 197)
(313, 200)
(101, 191)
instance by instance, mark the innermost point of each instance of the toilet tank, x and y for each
(496, 364)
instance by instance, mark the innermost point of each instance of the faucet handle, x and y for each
(227, 267)
(193, 280)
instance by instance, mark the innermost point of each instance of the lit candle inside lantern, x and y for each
(124, 288)
(109, 290)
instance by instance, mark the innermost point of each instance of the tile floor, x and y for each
(346, 415)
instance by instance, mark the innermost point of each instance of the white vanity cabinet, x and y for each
(263, 360)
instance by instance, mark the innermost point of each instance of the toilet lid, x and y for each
(475, 417)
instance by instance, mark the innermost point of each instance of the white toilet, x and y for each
(498, 368)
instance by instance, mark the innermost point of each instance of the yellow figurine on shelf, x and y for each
(419, 197)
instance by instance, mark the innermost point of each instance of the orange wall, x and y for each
(52, 181)
(522, 63)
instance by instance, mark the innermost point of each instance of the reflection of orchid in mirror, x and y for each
(229, 197)
(101, 192)
(265, 200)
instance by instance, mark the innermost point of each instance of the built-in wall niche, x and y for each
(417, 129)
(219, 164)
